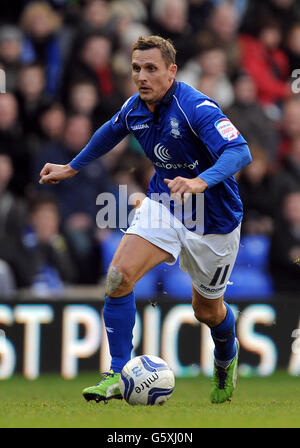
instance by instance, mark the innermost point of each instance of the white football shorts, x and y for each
(208, 259)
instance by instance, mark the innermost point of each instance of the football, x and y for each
(147, 380)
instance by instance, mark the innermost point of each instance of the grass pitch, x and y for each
(51, 402)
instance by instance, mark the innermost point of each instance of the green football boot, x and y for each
(107, 389)
(224, 380)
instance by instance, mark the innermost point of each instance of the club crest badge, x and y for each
(175, 131)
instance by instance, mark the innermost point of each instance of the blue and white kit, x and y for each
(188, 135)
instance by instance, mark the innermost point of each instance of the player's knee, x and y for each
(205, 314)
(118, 281)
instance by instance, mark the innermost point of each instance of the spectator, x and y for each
(131, 17)
(129, 11)
(221, 31)
(84, 99)
(31, 97)
(96, 14)
(267, 64)
(92, 62)
(13, 143)
(250, 118)
(292, 47)
(122, 57)
(285, 246)
(96, 17)
(255, 185)
(46, 42)
(169, 20)
(285, 12)
(10, 54)
(52, 121)
(289, 125)
(199, 11)
(48, 248)
(209, 67)
(287, 177)
(207, 85)
(13, 255)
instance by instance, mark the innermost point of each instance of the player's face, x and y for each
(151, 75)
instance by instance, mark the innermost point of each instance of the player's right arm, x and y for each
(53, 173)
(103, 140)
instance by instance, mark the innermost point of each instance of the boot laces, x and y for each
(106, 375)
(221, 375)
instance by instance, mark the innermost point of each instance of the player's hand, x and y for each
(53, 173)
(181, 187)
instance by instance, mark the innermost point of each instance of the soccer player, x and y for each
(195, 151)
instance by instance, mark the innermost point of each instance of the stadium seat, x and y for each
(250, 277)
(249, 283)
(253, 251)
(146, 287)
(108, 247)
(176, 283)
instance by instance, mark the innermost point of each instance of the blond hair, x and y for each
(36, 8)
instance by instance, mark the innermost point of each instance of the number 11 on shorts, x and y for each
(218, 274)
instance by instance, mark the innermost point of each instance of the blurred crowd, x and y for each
(68, 69)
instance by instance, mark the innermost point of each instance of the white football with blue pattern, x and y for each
(147, 380)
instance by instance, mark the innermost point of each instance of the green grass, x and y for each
(51, 402)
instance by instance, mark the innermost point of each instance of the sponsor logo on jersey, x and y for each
(175, 131)
(226, 129)
(176, 166)
(138, 127)
(162, 153)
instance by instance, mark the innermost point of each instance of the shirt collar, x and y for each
(166, 99)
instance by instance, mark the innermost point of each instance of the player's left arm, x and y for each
(227, 149)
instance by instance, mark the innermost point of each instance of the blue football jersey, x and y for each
(185, 136)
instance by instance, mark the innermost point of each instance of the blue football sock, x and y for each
(224, 337)
(119, 318)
